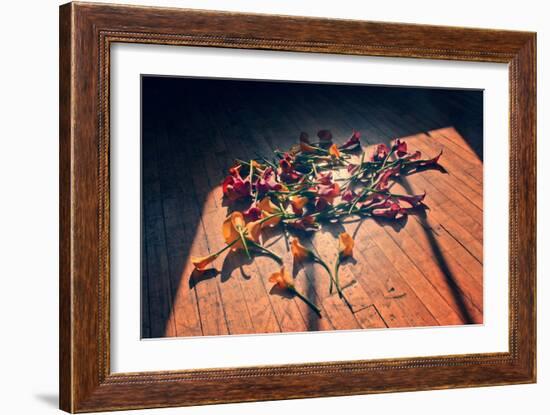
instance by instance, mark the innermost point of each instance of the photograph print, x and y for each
(278, 207)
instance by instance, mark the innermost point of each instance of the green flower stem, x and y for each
(314, 169)
(245, 245)
(251, 174)
(336, 268)
(271, 216)
(332, 280)
(305, 300)
(226, 247)
(363, 193)
(266, 251)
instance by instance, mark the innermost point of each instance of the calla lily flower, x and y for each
(325, 136)
(307, 148)
(345, 245)
(284, 280)
(305, 145)
(413, 200)
(267, 181)
(324, 178)
(299, 251)
(297, 203)
(234, 170)
(383, 179)
(235, 228)
(345, 250)
(200, 263)
(429, 162)
(380, 153)
(376, 201)
(412, 156)
(271, 211)
(353, 142)
(333, 151)
(320, 204)
(349, 195)
(253, 213)
(393, 211)
(328, 192)
(239, 235)
(400, 148)
(286, 169)
(267, 206)
(234, 187)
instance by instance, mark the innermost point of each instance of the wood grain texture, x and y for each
(86, 33)
(184, 209)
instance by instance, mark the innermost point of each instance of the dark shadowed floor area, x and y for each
(422, 271)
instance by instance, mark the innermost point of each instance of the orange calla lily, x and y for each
(282, 278)
(295, 149)
(231, 226)
(285, 281)
(200, 263)
(345, 245)
(333, 151)
(307, 148)
(254, 230)
(268, 209)
(256, 165)
(299, 251)
(267, 205)
(234, 225)
(298, 203)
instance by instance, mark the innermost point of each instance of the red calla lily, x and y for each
(234, 187)
(393, 211)
(400, 148)
(380, 153)
(267, 182)
(413, 200)
(383, 179)
(349, 195)
(353, 142)
(328, 192)
(324, 178)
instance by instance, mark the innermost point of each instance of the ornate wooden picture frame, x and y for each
(87, 32)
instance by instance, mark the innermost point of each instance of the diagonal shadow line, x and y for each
(312, 318)
(442, 263)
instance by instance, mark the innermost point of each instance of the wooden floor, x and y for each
(425, 271)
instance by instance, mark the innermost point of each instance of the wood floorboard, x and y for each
(426, 271)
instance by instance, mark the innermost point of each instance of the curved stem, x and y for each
(306, 300)
(325, 266)
(336, 268)
(267, 251)
(245, 245)
(271, 216)
(229, 245)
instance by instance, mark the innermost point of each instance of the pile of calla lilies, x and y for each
(312, 184)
